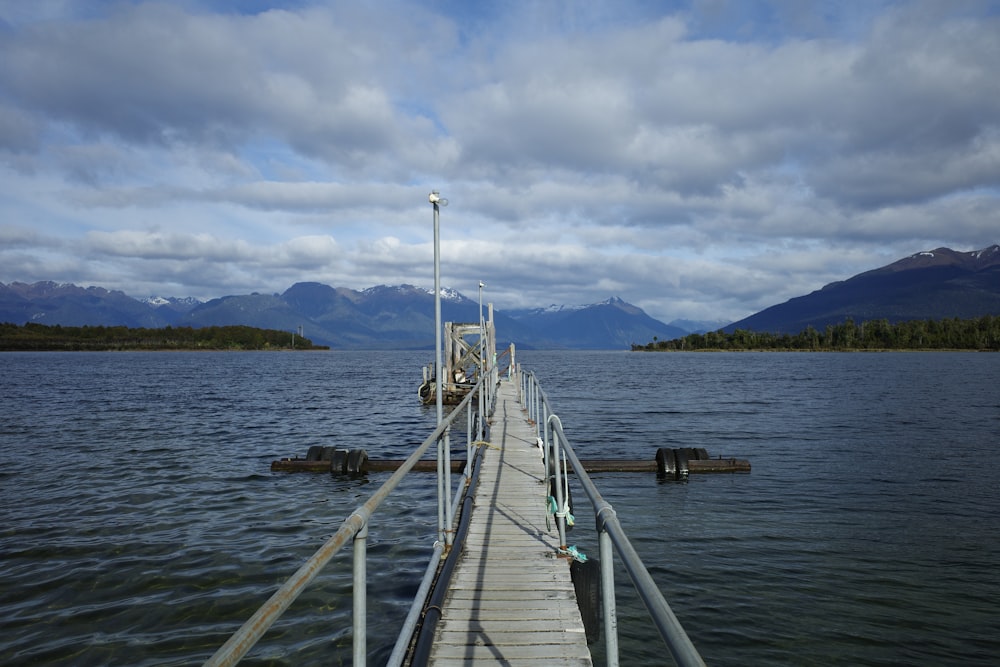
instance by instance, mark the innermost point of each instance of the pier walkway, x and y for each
(511, 600)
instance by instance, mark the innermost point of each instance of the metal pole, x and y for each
(449, 534)
(482, 334)
(557, 476)
(482, 363)
(402, 641)
(437, 308)
(360, 596)
(469, 438)
(438, 368)
(608, 595)
(444, 445)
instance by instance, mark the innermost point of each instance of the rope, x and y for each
(553, 507)
(484, 443)
(574, 553)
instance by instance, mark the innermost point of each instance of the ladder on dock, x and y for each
(511, 599)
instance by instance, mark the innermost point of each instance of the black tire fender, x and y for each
(682, 462)
(338, 462)
(357, 462)
(666, 462)
(587, 584)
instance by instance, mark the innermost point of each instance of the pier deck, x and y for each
(511, 600)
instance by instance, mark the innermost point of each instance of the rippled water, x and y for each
(867, 533)
(140, 523)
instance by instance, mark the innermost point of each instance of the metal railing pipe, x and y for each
(244, 639)
(410, 624)
(677, 640)
(610, 531)
(399, 651)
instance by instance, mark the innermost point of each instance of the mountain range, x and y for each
(929, 285)
(936, 284)
(382, 317)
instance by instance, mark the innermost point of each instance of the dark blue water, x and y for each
(140, 523)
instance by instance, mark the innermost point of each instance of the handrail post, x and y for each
(248, 634)
(538, 404)
(608, 598)
(361, 595)
(544, 419)
(440, 488)
(448, 533)
(670, 629)
(469, 437)
(535, 413)
(559, 495)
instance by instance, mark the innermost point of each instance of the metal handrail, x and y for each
(355, 528)
(610, 534)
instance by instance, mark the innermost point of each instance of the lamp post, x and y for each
(444, 447)
(482, 361)
(437, 202)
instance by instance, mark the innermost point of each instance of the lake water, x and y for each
(140, 523)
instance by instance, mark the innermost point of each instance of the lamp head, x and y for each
(435, 198)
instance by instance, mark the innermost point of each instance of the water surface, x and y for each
(140, 523)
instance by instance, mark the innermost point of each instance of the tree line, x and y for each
(39, 337)
(981, 333)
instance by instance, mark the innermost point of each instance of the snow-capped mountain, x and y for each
(928, 285)
(384, 316)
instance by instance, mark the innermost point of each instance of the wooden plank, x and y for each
(511, 599)
(492, 653)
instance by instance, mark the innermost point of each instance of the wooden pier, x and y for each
(510, 600)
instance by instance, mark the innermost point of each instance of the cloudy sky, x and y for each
(701, 159)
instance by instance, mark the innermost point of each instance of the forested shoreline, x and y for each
(981, 333)
(41, 337)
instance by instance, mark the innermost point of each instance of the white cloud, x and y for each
(702, 160)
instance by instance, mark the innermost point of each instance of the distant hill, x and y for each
(606, 325)
(54, 303)
(381, 317)
(930, 285)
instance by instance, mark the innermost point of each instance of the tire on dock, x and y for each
(683, 456)
(666, 462)
(551, 471)
(357, 462)
(314, 453)
(586, 578)
(338, 462)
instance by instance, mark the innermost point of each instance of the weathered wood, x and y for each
(385, 465)
(458, 465)
(511, 600)
(300, 465)
(719, 465)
